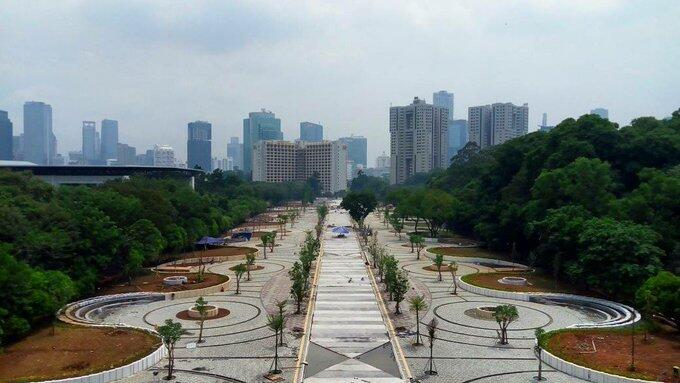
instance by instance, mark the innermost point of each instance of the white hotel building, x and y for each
(281, 161)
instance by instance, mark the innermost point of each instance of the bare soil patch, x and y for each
(250, 267)
(444, 268)
(184, 314)
(154, 283)
(536, 282)
(473, 252)
(73, 351)
(654, 359)
(223, 251)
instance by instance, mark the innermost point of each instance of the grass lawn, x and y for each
(153, 282)
(473, 252)
(72, 351)
(536, 282)
(223, 251)
(654, 358)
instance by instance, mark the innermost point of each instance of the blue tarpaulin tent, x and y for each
(210, 241)
(341, 230)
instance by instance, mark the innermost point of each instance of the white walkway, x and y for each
(347, 323)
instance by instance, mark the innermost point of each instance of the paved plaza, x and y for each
(349, 337)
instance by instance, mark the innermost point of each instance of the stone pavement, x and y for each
(349, 340)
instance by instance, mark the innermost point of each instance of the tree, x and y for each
(417, 304)
(322, 212)
(170, 333)
(202, 308)
(276, 323)
(615, 256)
(397, 224)
(359, 205)
(436, 207)
(505, 315)
(439, 262)
(420, 245)
(298, 289)
(282, 219)
(267, 239)
(412, 240)
(453, 267)
(539, 337)
(660, 295)
(431, 332)
(281, 305)
(272, 240)
(399, 289)
(239, 270)
(250, 262)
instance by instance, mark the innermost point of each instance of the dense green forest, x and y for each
(588, 201)
(58, 244)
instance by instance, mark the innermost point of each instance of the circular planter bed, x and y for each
(482, 312)
(516, 281)
(250, 267)
(470, 252)
(73, 351)
(156, 283)
(189, 315)
(444, 268)
(535, 282)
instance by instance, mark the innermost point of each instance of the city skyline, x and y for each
(355, 62)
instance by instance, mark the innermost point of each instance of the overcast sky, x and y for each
(154, 66)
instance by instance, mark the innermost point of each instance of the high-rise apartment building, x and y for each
(490, 125)
(199, 145)
(445, 100)
(458, 136)
(235, 152)
(382, 161)
(109, 140)
(281, 161)
(164, 156)
(259, 126)
(418, 139)
(602, 112)
(357, 147)
(310, 131)
(39, 142)
(6, 137)
(89, 147)
(18, 147)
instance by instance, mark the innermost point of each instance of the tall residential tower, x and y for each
(199, 145)
(39, 141)
(418, 139)
(6, 137)
(494, 124)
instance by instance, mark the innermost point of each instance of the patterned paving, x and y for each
(348, 336)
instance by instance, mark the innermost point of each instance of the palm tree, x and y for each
(276, 323)
(264, 238)
(417, 304)
(202, 308)
(170, 333)
(504, 315)
(439, 262)
(431, 332)
(239, 270)
(250, 261)
(453, 267)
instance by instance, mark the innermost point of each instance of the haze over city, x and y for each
(154, 68)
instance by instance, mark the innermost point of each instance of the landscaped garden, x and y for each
(609, 350)
(73, 351)
(535, 282)
(222, 251)
(154, 283)
(470, 252)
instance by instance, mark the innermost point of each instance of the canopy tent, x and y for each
(341, 230)
(210, 241)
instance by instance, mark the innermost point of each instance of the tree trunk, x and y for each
(200, 332)
(238, 285)
(396, 311)
(264, 251)
(171, 360)
(276, 356)
(417, 328)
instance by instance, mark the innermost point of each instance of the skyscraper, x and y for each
(109, 142)
(311, 132)
(39, 141)
(418, 139)
(199, 145)
(89, 147)
(6, 137)
(235, 152)
(127, 155)
(458, 136)
(490, 125)
(356, 152)
(602, 112)
(444, 99)
(259, 126)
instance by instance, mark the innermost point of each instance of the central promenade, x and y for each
(349, 339)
